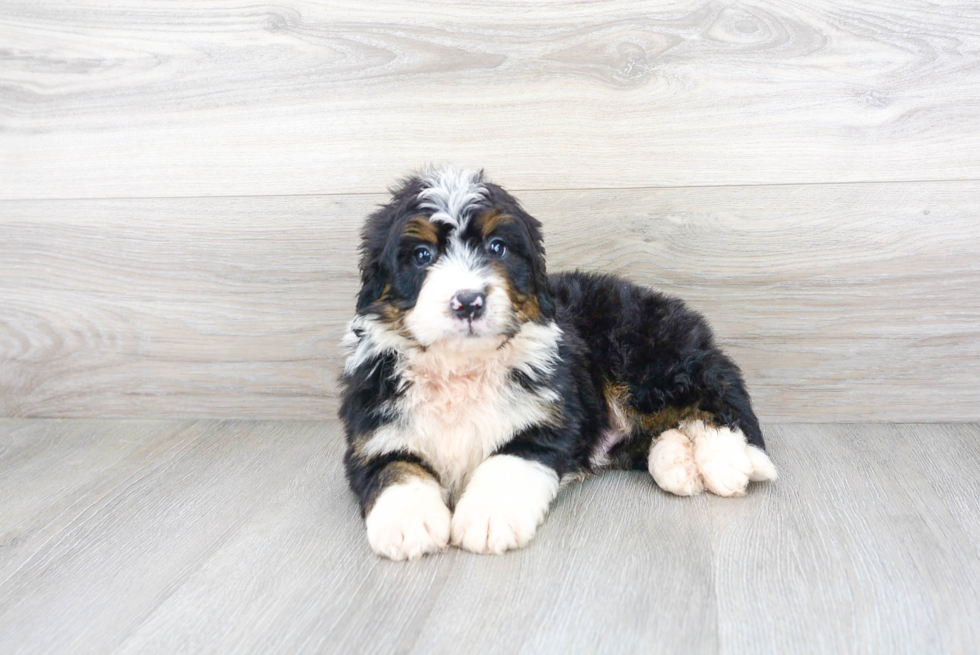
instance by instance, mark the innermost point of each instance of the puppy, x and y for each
(475, 383)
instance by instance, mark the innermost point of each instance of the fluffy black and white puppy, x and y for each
(475, 383)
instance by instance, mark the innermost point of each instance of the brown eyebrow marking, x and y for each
(491, 220)
(421, 228)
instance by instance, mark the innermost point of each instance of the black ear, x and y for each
(545, 301)
(372, 286)
(375, 237)
(540, 272)
(539, 269)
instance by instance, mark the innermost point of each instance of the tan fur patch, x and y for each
(491, 220)
(526, 307)
(628, 418)
(391, 313)
(419, 228)
(395, 473)
(422, 229)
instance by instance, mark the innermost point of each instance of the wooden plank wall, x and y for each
(181, 185)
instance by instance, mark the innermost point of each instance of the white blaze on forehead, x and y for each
(451, 193)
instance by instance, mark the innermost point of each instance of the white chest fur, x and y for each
(461, 405)
(459, 418)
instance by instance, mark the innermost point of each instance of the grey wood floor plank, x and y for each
(313, 585)
(619, 566)
(840, 302)
(951, 468)
(46, 466)
(297, 577)
(853, 550)
(129, 99)
(242, 537)
(119, 550)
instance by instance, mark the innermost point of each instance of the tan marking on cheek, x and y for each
(393, 317)
(526, 307)
(388, 311)
(529, 308)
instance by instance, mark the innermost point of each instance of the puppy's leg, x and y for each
(731, 452)
(723, 444)
(697, 455)
(506, 499)
(403, 504)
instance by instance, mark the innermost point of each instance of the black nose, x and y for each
(468, 304)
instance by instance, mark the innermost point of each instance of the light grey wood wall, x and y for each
(181, 185)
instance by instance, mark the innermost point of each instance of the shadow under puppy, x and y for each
(476, 381)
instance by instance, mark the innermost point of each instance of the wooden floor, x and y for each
(195, 536)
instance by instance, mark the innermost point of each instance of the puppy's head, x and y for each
(453, 258)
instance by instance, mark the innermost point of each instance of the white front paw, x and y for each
(505, 501)
(408, 520)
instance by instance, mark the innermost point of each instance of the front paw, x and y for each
(504, 503)
(488, 525)
(409, 520)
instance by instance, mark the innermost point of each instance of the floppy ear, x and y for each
(545, 302)
(540, 273)
(375, 237)
(372, 285)
(539, 270)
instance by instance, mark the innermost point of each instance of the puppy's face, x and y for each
(453, 258)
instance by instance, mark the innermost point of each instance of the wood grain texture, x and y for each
(209, 536)
(855, 550)
(618, 567)
(79, 576)
(840, 302)
(123, 98)
(315, 586)
(208, 307)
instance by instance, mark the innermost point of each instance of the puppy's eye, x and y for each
(422, 255)
(497, 247)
